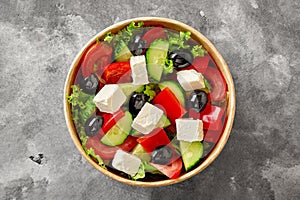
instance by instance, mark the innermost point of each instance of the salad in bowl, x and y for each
(149, 102)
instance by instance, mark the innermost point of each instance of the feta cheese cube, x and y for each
(139, 70)
(190, 80)
(147, 119)
(126, 162)
(110, 98)
(189, 130)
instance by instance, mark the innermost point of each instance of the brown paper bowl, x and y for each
(230, 109)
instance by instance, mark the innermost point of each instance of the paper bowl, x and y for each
(219, 61)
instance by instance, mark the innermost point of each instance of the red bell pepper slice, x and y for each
(211, 117)
(108, 152)
(158, 137)
(200, 64)
(118, 72)
(172, 170)
(109, 120)
(153, 34)
(96, 58)
(217, 82)
(168, 102)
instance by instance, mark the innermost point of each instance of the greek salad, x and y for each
(148, 102)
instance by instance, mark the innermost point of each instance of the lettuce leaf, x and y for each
(149, 91)
(178, 41)
(82, 104)
(90, 152)
(145, 167)
(108, 38)
(140, 174)
(197, 50)
(169, 67)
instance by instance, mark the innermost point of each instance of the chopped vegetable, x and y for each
(118, 72)
(82, 103)
(197, 50)
(91, 153)
(168, 102)
(96, 58)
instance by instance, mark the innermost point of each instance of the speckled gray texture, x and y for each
(259, 39)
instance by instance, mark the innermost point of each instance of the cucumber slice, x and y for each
(156, 56)
(129, 88)
(175, 88)
(141, 153)
(163, 122)
(122, 53)
(119, 132)
(191, 153)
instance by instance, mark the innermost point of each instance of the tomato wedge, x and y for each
(211, 117)
(109, 120)
(168, 102)
(108, 152)
(153, 34)
(172, 171)
(200, 64)
(212, 136)
(118, 72)
(217, 82)
(96, 58)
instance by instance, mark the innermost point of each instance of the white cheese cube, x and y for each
(126, 162)
(139, 70)
(110, 98)
(147, 119)
(190, 80)
(189, 130)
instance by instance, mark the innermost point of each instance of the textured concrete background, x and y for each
(259, 39)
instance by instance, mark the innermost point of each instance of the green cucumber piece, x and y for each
(119, 132)
(191, 153)
(156, 56)
(175, 88)
(122, 53)
(141, 153)
(163, 122)
(129, 88)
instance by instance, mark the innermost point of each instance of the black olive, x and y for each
(136, 102)
(137, 45)
(162, 155)
(90, 84)
(198, 100)
(93, 125)
(181, 58)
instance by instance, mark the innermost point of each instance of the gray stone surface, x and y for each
(260, 40)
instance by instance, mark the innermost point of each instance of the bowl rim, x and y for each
(220, 63)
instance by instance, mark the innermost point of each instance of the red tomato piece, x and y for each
(96, 58)
(211, 117)
(110, 120)
(217, 82)
(172, 170)
(200, 64)
(153, 34)
(212, 136)
(108, 152)
(168, 102)
(118, 72)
